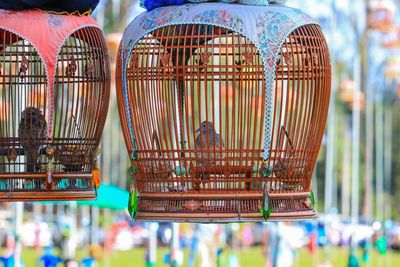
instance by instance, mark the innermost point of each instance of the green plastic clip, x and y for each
(265, 209)
(312, 198)
(133, 204)
(266, 213)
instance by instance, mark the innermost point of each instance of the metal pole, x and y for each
(355, 171)
(346, 183)
(71, 241)
(19, 211)
(94, 224)
(379, 159)
(174, 245)
(330, 146)
(49, 212)
(369, 149)
(388, 161)
(152, 245)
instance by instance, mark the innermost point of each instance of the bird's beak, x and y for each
(198, 130)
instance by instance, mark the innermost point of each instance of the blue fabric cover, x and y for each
(152, 4)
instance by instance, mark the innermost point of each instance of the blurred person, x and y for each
(233, 260)
(381, 245)
(280, 245)
(95, 254)
(207, 246)
(49, 259)
(198, 241)
(366, 247)
(353, 260)
(247, 236)
(219, 257)
(71, 263)
(270, 243)
(286, 252)
(88, 262)
(322, 235)
(194, 245)
(220, 239)
(36, 243)
(312, 243)
(7, 261)
(8, 256)
(109, 239)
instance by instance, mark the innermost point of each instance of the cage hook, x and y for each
(71, 68)
(238, 206)
(133, 198)
(265, 205)
(24, 67)
(204, 57)
(165, 58)
(49, 183)
(96, 170)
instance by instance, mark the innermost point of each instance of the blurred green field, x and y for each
(248, 257)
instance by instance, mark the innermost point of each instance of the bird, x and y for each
(208, 145)
(32, 131)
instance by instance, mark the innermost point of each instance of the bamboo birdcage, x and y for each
(54, 91)
(192, 102)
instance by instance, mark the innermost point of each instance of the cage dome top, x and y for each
(266, 27)
(47, 33)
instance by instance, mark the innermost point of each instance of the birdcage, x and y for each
(54, 92)
(223, 109)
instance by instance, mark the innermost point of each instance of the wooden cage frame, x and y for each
(182, 77)
(32, 165)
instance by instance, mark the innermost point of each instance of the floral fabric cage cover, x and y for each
(267, 28)
(47, 33)
(58, 57)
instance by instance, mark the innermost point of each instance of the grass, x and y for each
(248, 257)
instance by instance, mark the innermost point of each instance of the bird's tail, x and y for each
(32, 161)
(30, 166)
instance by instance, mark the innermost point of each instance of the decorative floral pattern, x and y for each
(160, 16)
(221, 18)
(55, 20)
(272, 28)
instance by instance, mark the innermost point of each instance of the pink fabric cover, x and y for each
(47, 33)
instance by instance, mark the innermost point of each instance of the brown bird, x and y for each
(32, 131)
(208, 141)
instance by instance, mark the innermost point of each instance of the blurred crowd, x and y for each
(203, 243)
